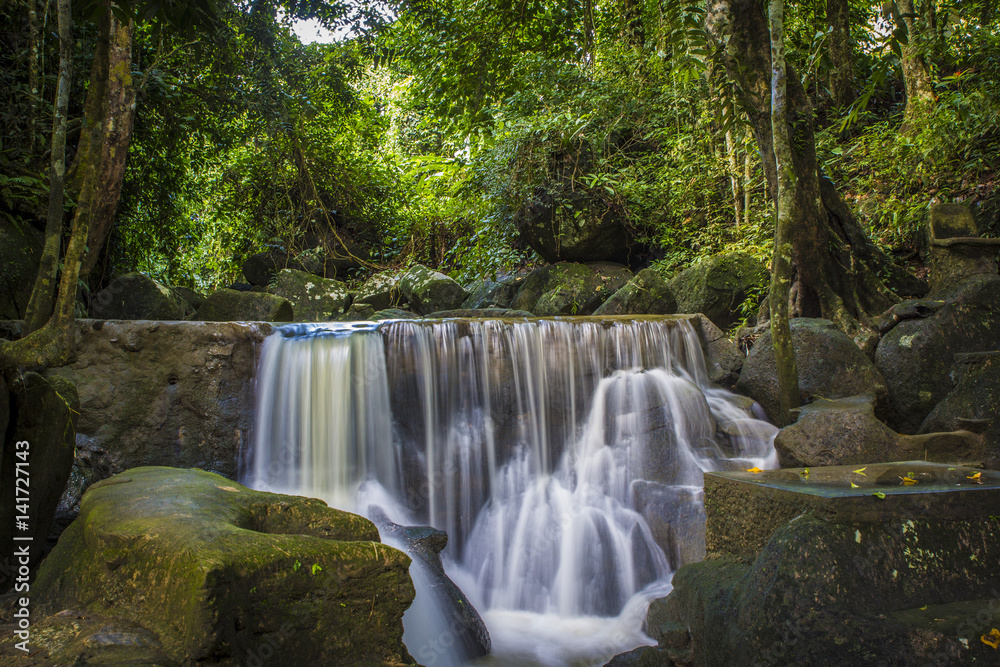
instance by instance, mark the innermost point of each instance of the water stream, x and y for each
(564, 459)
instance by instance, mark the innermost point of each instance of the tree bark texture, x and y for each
(838, 18)
(789, 216)
(916, 74)
(835, 267)
(43, 294)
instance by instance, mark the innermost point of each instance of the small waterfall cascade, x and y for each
(564, 458)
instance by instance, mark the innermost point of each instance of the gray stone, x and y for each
(429, 291)
(569, 289)
(915, 357)
(836, 432)
(393, 314)
(227, 305)
(490, 313)
(723, 358)
(492, 294)
(955, 250)
(830, 365)
(381, 291)
(20, 252)
(646, 294)
(135, 296)
(313, 299)
(193, 297)
(717, 287)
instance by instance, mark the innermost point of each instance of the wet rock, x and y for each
(717, 287)
(381, 291)
(569, 289)
(430, 291)
(491, 313)
(424, 545)
(916, 356)
(165, 393)
(394, 314)
(226, 305)
(357, 312)
(20, 252)
(830, 365)
(313, 299)
(723, 359)
(135, 296)
(492, 294)
(836, 432)
(215, 569)
(646, 294)
(43, 415)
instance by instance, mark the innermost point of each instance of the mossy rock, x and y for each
(215, 570)
(393, 314)
(20, 251)
(229, 305)
(646, 294)
(430, 291)
(135, 296)
(380, 291)
(569, 289)
(313, 299)
(830, 365)
(717, 287)
(492, 294)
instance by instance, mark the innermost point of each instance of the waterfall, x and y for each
(564, 458)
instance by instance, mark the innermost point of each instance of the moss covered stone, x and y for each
(229, 305)
(216, 570)
(381, 291)
(569, 289)
(313, 299)
(717, 287)
(429, 291)
(135, 296)
(20, 251)
(646, 294)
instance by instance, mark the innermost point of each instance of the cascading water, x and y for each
(563, 457)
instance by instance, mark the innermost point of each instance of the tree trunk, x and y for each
(734, 177)
(838, 17)
(835, 267)
(111, 125)
(916, 74)
(42, 295)
(34, 77)
(789, 217)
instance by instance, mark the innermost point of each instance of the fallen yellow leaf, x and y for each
(860, 471)
(754, 470)
(854, 486)
(976, 476)
(908, 481)
(992, 639)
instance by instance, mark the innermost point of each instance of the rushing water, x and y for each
(563, 457)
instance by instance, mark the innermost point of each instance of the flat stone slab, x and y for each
(745, 508)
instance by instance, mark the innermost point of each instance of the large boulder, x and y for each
(20, 251)
(916, 356)
(646, 294)
(135, 296)
(829, 363)
(717, 287)
(492, 293)
(955, 250)
(313, 299)
(974, 403)
(215, 570)
(380, 291)
(229, 305)
(37, 456)
(429, 291)
(569, 289)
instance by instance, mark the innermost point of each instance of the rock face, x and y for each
(717, 287)
(214, 570)
(38, 451)
(974, 403)
(569, 289)
(646, 294)
(577, 226)
(955, 251)
(313, 299)
(381, 291)
(135, 296)
(492, 294)
(429, 291)
(916, 356)
(20, 251)
(166, 393)
(227, 305)
(904, 580)
(830, 365)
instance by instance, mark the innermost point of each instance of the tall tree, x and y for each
(789, 216)
(835, 267)
(838, 18)
(916, 73)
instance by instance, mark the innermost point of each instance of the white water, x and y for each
(563, 458)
